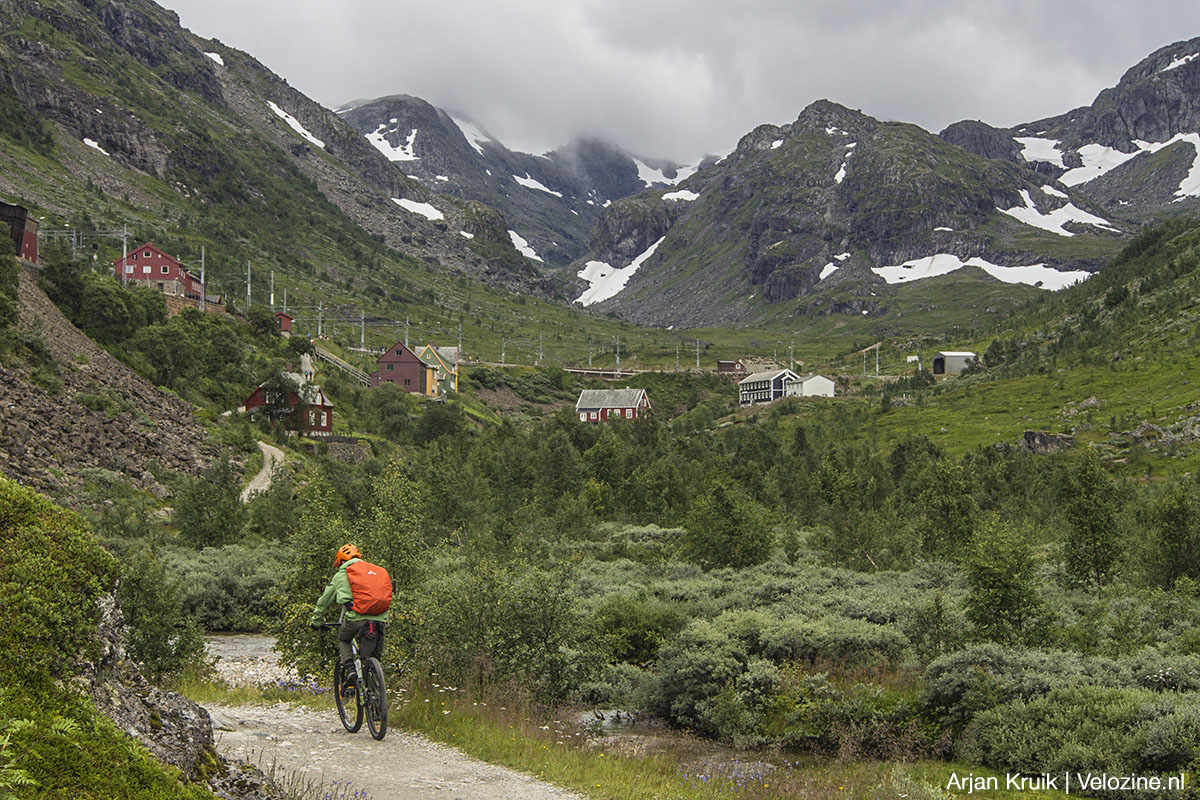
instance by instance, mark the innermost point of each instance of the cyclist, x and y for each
(338, 592)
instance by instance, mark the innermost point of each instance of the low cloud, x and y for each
(680, 78)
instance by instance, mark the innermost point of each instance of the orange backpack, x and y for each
(371, 586)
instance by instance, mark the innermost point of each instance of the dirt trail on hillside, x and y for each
(315, 750)
(262, 481)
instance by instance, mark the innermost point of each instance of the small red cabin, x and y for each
(285, 323)
(735, 367)
(602, 405)
(155, 268)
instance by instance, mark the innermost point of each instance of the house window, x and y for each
(129, 269)
(323, 419)
(133, 257)
(408, 381)
(592, 415)
(147, 254)
(629, 413)
(389, 367)
(146, 270)
(166, 270)
(583, 416)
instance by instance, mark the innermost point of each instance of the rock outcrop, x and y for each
(174, 729)
(1044, 442)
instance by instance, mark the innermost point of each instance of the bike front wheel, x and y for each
(348, 707)
(375, 698)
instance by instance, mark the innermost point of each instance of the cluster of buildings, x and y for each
(767, 387)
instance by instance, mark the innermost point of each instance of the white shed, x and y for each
(810, 386)
(951, 362)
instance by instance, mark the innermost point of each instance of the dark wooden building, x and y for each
(735, 367)
(320, 409)
(23, 229)
(601, 405)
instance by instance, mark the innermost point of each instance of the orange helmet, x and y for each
(345, 553)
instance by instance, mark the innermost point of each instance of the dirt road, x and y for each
(314, 748)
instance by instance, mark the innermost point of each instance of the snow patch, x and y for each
(473, 135)
(778, 143)
(217, 58)
(1190, 185)
(607, 281)
(92, 143)
(441, 177)
(404, 152)
(533, 183)
(1038, 275)
(1097, 160)
(685, 195)
(1038, 149)
(828, 270)
(649, 175)
(842, 256)
(947, 230)
(1179, 62)
(523, 246)
(1056, 219)
(466, 235)
(835, 132)
(1050, 190)
(295, 125)
(423, 209)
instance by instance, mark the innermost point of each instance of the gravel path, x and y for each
(315, 750)
(262, 481)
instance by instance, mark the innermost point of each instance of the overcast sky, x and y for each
(681, 78)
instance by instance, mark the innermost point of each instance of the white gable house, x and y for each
(810, 386)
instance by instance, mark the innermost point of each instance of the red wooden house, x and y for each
(403, 367)
(285, 323)
(601, 405)
(320, 409)
(735, 367)
(23, 229)
(155, 268)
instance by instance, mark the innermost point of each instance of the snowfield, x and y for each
(217, 58)
(533, 183)
(1056, 219)
(473, 135)
(1037, 149)
(404, 152)
(295, 125)
(522, 246)
(1038, 275)
(423, 209)
(685, 195)
(607, 281)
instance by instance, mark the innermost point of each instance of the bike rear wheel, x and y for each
(375, 698)
(349, 709)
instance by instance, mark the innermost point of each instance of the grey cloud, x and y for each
(678, 78)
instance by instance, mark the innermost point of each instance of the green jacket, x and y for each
(338, 593)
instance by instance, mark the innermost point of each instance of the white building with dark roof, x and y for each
(763, 387)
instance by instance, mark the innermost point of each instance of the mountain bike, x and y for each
(368, 692)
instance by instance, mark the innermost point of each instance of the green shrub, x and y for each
(1089, 728)
(229, 588)
(635, 626)
(159, 635)
(53, 574)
